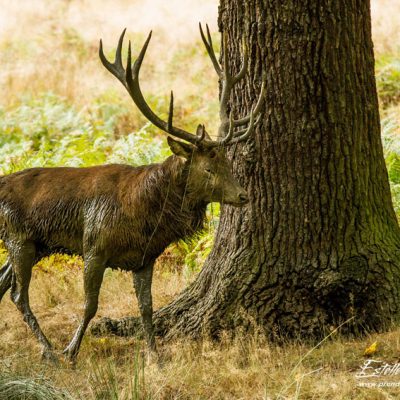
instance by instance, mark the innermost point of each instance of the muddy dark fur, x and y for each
(57, 224)
(111, 207)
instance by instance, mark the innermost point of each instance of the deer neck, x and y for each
(180, 190)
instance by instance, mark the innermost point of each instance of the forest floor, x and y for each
(246, 367)
(60, 107)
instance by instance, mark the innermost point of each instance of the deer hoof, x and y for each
(69, 356)
(49, 357)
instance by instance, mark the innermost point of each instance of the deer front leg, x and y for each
(142, 280)
(93, 278)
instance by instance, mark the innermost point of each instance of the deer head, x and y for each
(210, 176)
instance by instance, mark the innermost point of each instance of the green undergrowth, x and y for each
(47, 131)
(388, 79)
(391, 146)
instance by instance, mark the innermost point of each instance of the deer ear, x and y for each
(180, 149)
(201, 130)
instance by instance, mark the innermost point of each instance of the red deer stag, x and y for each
(119, 216)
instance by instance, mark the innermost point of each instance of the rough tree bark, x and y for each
(319, 242)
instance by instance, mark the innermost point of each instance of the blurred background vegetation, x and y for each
(59, 106)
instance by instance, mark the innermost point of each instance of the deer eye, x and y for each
(212, 154)
(208, 170)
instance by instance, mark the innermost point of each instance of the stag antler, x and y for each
(129, 77)
(228, 82)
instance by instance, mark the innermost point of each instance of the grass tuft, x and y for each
(16, 387)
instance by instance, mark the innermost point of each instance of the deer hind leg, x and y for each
(22, 256)
(5, 278)
(93, 278)
(142, 280)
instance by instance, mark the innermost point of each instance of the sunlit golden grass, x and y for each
(385, 26)
(246, 367)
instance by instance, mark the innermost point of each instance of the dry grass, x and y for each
(385, 26)
(52, 46)
(247, 367)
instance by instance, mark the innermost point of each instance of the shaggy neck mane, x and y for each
(175, 210)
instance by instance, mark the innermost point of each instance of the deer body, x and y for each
(128, 214)
(115, 215)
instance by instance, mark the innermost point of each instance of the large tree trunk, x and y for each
(319, 241)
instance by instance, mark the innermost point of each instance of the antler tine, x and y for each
(228, 83)
(257, 108)
(116, 68)
(210, 49)
(230, 133)
(201, 132)
(129, 77)
(171, 111)
(244, 134)
(245, 64)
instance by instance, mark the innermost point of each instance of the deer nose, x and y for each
(243, 198)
